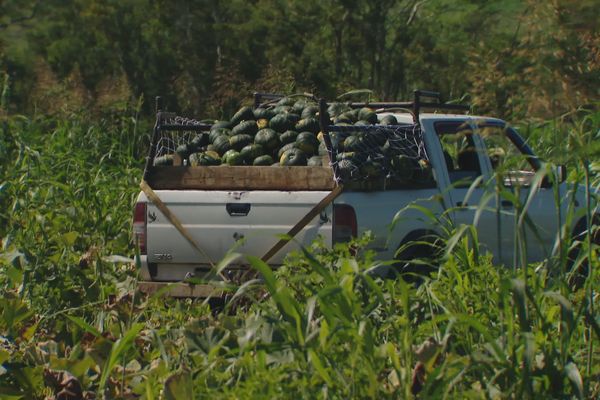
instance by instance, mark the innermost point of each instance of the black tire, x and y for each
(580, 271)
(417, 256)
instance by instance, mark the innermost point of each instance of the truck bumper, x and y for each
(179, 289)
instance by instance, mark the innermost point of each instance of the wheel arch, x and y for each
(417, 236)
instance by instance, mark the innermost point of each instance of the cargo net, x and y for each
(391, 155)
(174, 137)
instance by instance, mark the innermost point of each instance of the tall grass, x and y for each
(323, 325)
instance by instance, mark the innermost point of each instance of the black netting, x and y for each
(393, 154)
(367, 150)
(173, 135)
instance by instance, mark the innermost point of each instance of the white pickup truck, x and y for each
(188, 217)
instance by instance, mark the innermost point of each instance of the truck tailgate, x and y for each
(220, 220)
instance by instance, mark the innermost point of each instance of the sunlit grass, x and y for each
(320, 326)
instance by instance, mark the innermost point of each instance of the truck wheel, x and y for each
(417, 256)
(216, 304)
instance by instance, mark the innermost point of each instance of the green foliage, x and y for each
(322, 325)
(509, 57)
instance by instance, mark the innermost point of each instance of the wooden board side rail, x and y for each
(241, 178)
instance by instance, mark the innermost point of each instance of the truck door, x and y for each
(465, 181)
(513, 166)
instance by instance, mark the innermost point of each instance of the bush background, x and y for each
(531, 58)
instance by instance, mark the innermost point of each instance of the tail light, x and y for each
(139, 226)
(344, 223)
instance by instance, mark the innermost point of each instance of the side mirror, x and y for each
(561, 173)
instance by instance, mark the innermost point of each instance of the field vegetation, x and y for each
(74, 130)
(321, 326)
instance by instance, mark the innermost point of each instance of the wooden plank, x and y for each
(173, 219)
(242, 178)
(179, 289)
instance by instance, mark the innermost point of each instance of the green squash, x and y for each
(245, 128)
(353, 143)
(267, 138)
(288, 137)
(377, 137)
(299, 106)
(199, 142)
(183, 150)
(212, 154)
(388, 120)
(349, 117)
(293, 157)
(353, 114)
(207, 158)
(238, 142)
(252, 151)
(402, 167)
(391, 147)
(281, 110)
(243, 114)
(336, 109)
(371, 169)
(342, 119)
(215, 133)
(357, 157)
(282, 122)
(221, 144)
(265, 160)
(294, 117)
(367, 114)
(284, 148)
(263, 113)
(232, 157)
(315, 161)
(309, 111)
(310, 124)
(307, 142)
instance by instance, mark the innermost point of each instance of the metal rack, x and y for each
(327, 128)
(414, 107)
(166, 121)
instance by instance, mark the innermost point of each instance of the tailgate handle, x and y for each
(238, 209)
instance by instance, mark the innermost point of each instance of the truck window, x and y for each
(508, 162)
(460, 152)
